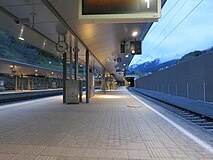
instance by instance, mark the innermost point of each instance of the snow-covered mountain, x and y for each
(151, 66)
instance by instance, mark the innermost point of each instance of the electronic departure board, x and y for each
(120, 10)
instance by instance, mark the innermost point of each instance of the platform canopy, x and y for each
(13, 68)
(48, 18)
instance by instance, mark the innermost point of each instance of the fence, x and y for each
(191, 79)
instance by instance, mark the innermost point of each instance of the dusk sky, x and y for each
(194, 33)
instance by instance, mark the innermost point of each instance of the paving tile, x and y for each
(105, 129)
(5, 156)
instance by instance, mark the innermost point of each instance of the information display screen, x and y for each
(119, 10)
(91, 7)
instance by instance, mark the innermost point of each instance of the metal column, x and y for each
(47, 84)
(16, 83)
(103, 80)
(76, 63)
(22, 83)
(28, 83)
(87, 76)
(71, 62)
(64, 75)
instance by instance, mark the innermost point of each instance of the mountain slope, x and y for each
(151, 66)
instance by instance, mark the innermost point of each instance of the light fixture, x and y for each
(21, 38)
(134, 34)
(44, 43)
(21, 33)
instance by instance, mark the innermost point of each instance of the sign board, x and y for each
(120, 11)
(118, 70)
(135, 47)
(118, 59)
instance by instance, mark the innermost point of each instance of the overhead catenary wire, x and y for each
(163, 17)
(178, 11)
(174, 28)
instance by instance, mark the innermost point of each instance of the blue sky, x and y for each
(194, 33)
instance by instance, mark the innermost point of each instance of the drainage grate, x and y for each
(134, 106)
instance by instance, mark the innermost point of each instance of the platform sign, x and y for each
(119, 11)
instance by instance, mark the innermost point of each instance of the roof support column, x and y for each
(28, 83)
(87, 76)
(22, 83)
(64, 75)
(76, 50)
(71, 62)
(103, 79)
(16, 83)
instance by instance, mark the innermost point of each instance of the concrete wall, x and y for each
(192, 79)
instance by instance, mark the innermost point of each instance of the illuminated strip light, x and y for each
(21, 33)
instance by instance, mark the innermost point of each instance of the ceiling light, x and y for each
(44, 43)
(21, 33)
(21, 38)
(134, 34)
(133, 51)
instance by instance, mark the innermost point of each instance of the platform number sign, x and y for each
(149, 6)
(147, 3)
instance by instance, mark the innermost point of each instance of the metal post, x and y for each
(110, 82)
(64, 75)
(204, 91)
(22, 83)
(16, 83)
(28, 83)
(33, 87)
(87, 76)
(187, 90)
(80, 91)
(47, 84)
(104, 80)
(76, 63)
(71, 62)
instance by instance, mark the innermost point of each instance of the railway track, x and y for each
(197, 119)
(18, 97)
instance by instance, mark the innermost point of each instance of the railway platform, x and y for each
(116, 125)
